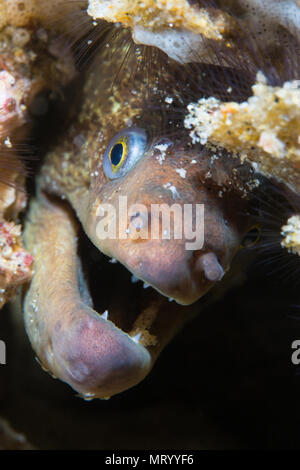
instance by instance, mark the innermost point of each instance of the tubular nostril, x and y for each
(209, 264)
(139, 220)
(135, 218)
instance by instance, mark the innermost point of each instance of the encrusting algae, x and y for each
(174, 26)
(22, 13)
(32, 60)
(161, 14)
(264, 129)
(291, 234)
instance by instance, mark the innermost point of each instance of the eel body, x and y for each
(90, 325)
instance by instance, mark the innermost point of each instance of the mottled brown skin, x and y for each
(72, 340)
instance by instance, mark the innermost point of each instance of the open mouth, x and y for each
(123, 299)
(91, 323)
(119, 296)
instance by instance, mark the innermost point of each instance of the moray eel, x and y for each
(88, 323)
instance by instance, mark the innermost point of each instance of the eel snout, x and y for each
(177, 240)
(71, 340)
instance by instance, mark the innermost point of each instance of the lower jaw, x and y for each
(100, 351)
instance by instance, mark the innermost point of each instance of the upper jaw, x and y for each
(180, 275)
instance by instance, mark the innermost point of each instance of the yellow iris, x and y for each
(252, 236)
(118, 153)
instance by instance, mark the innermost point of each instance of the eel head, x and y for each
(123, 187)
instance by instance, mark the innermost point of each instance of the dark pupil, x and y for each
(116, 154)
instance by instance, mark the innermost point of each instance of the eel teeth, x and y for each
(136, 338)
(113, 260)
(171, 299)
(134, 279)
(87, 396)
(146, 285)
(105, 315)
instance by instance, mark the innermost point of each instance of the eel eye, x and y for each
(123, 151)
(251, 237)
